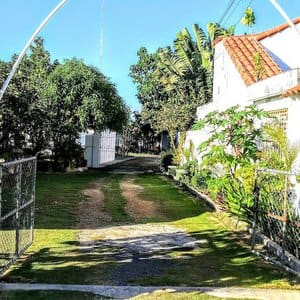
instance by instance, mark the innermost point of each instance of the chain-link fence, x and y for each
(277, 211)
(17, 198)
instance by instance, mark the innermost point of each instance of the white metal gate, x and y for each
(100, 148)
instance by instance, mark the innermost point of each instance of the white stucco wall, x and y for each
(273, 86)
(229, 88)
(286, 46)
(196, 137)
(293, 129)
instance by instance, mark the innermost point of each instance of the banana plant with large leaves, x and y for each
(190, 63)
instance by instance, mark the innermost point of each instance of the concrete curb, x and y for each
(127, 292)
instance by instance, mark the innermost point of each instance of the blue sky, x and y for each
(128, 25)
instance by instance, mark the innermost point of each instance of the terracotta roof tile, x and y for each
(242, 50)
(262, 35)
(293, 91)
(272, 31)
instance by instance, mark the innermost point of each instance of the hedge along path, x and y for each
(137, 208)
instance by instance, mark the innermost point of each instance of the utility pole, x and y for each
(23, 52)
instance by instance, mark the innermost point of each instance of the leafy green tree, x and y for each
(174, 81)
(24, 106)
(81, 98)
(47, 105)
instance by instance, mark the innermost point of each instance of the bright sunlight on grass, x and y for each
(56, 256)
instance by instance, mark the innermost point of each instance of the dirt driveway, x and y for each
(145, 248)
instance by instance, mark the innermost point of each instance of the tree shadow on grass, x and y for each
(218, 261)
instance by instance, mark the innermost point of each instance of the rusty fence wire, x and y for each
(277, 210)
(17, 200)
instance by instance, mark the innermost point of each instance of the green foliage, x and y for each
(259, 66)
(23, 118)
(231, 153)
(249, 17)
(180, 149)
(188, 153)
(282, 154)
(166, 159)
(174, 81)
(81, 98)
(201, 178)
(48, 104)
(191, 169)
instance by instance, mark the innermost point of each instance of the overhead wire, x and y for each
(232, 11)
(238, 21)
(227, 9)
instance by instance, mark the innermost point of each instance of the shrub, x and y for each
(233, 145)
(200, 180)
(166, 159)
(191, 168)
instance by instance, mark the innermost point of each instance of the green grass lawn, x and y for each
(55, 257)
(49, 295)
(181, 296)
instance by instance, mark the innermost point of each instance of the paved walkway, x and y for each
(137, 166)
(127, 292)
(141, 238)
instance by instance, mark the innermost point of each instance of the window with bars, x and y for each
(281, 115)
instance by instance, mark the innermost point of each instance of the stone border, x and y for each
(200, 196)
(290, 263)
(287, 261)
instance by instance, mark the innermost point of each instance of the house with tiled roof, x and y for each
(261, 69)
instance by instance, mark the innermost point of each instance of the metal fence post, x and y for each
(284, 216)
(18, 201)
(255, 210)
(33, 199)
(17, 192)
(0, 194)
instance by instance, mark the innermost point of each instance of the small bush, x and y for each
(199, 180)
(166, 159)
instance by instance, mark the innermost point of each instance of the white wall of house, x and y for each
(230, 89)
(292, 104)
(196, 137)
(285, 46)
(228, 84)
(273, 86)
